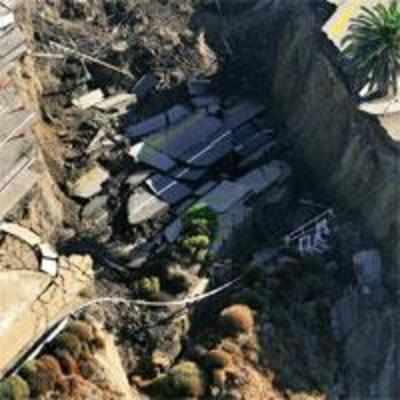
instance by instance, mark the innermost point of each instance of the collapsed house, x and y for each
(206, 151)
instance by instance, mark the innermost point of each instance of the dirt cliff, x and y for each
(281, 56)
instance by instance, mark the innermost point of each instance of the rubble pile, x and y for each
(220, 153)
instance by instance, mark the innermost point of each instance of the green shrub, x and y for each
(69, 342)
(147, 287)
(195, 243)
(69, 365)
(14, 388)
(82, 330)
(43, 380)
(200, 219)
(186, 379)
(28, 370)
(50, 363)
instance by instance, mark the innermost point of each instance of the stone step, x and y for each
(9, 99)
(14, 123)
(17, 190)
(14, 156)
(12, 46)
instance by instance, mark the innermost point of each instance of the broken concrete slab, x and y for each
(147, 127)
(96, 207)
(96, 143)
(173, 230)
(368, 267)
(90, 183)
(112, 103)
(49, 266)
(21, 233)
(138, 178)
(178, 113)
(143, 206)
(143, 153)
(48, 251)
(225, 196)
(145, 85)
(89, 100)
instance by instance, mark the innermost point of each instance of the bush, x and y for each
(82, 330)
(14, 388)
(91, 370)
(202, 216)
(195, 243)
(68, 364)
(28, 370)
(237, 319)
(185, 379)
(147, 287)
(69, 342)
(51, 363)
(43, 380)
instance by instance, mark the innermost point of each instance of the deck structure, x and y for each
(18, 152)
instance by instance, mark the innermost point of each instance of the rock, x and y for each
(90, 183)
(143, 206)
(96, 208)
(137, 178)
(88, 100)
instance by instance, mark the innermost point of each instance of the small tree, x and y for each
(373, 45)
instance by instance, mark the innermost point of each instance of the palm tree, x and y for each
(373, 47)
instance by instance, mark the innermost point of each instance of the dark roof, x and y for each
(168, 189)
(241, 113)
(185, 139)
(189, 174)
(254, 142)
(149, 156)
(214, 151)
